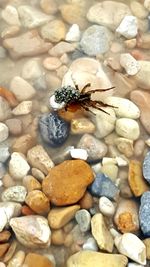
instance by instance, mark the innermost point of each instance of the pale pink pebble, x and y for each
(2, 264)
(52, 63)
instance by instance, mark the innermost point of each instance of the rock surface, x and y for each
(144, 214)
(14, 193)
(8, 210)
(41, 261)
(18, 166)
(38, 202)
(21, 89)
(128, 27)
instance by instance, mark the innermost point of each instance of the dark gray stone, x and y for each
(53, 129)
(104, 186)
(144, 213)
(146, 167)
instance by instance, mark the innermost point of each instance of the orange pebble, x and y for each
(86, 202)
(9, 96)
(27, 211)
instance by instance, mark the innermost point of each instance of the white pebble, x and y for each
(131, 264)
(121, 161)
(97, 167)
(90, 244)
(3, 132)
(54, 104)
(106, 207)
(107, 160)
(128, 27)
(25, 107)
(73, 35)
(18, 166)
(79, 153)
(147, 4)
(129, 63)
(10, 15)
(127, 128)
(131, 246)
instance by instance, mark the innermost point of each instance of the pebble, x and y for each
(142, 77)
(96, 40)
(59, 217)
(38, 158)
(90, 244)
(49, 6)
(54, 31)
(32, 231)
(147, 244)
(8, 210)
(73, 34)
(14, 193)
(38, 174)
(86, 202)
(18, 166)
(31, 71)
(105, 122)
(128, 27)
(134, 265)
(131, 43)
(10, 15)
(108, 13)
(129, 63)
(4, 236)
(126, 217)
(77, 175)
(8, 181)
(27, 91)
(81, 126)
(53, 129)
(135, 177)
(4, 153)
(3, 132)
(106, 207)
(139, 147)
(31, 17)
(3, 249)
(93, 258)
(131, 246)
(23, 144)
(17, 260)
(95, 148)
(52, 63)
(14, 126)
(146, 163)
(41, 261)
(147, 4)
(25, 107)
(31, 183)
(144, 214)
(38, 202)
(10, 252)
(104, 186)
(110, 170)
(138, 10)
(79, 153)
(26, 44)
(10, 31)
(83, 219)
(61, 48)
(127, 128)
(57, 237)
(125, 146)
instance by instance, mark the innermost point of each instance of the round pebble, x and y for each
(15, 193)
(90, 244)
(144, 215)
(79, 153)
(106, 207)
(127, 128)
(3, 132)
(52, 63)
(146, 167)
(83, 219)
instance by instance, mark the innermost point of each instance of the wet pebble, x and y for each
(128, 27)
(23, 108)
(129, 63)
(8, 210)
(90, 244)
(14, 126)
(4, 153)
(82, 125)
(23, 143)
(54, 31)
(15, 193)
(106, 207)
(144, 214)
(31, 183)
(83, 219)
(53, 129)
(38, 202)
(128, 128)
(3, 132)
(79, 153)
(18, 166)
(146, 167)
(5, 110)
(73, 34)
(27, 91)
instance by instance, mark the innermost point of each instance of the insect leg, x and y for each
(99, 90)
(84, 88)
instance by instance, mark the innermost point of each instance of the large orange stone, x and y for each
(66, 183)
(33, 259)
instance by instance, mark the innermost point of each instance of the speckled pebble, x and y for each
(146, 167)
(144, 214)
(15, 193)
(83, 219)
(129, 63)
(3, 132)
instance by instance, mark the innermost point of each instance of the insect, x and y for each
(72, 99)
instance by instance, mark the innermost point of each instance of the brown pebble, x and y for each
(31, 183)
(8, 181)
(23, 144)
(86, 202)
(25, 210)
(10, 251)
(38, 202)
(3, 249)
(68, 227)
(57, 237)
(14, 126)
(4, 236)
(41, 261)
(68, 240)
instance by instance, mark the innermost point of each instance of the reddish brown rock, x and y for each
(25, 210)
(33, 259)
(4, 236)
(66, 183)
(3, 249)
(86, 202)
(38, 202)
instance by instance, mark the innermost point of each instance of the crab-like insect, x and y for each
(71, 98)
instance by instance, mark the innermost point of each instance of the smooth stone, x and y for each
(146, 166)
(125, 146)
(14, 125)
(106, 207)
(104, 186)
(139, 10)
(18, 166)
(49, 6)
(73, 34)
(142, 78)
(110, 170)
(23, 144)
(31, 17)
(131, 246)
(4, 153)
(38, 202)
(129, 63)
(3, 132)
(8, 210)
(135, 177)
(95, 148)
(32, 231)
(147, 4)
(82, 125)
(26, 44)
(41, 261)
(43, 163)
(96, 40)
(25, 107)
(92, 258)
(54, 31)
(59, 217)
(105, 122)
(77, 175)
(37, 174)
(124, 108)
(108, 13)
(86, 202)
(90, 244)
(127, 128)
(141, 99)
(83, 219)
(2, 171)
(14, 193)
(31, 71)
(27, 91)
(61, 48)
(144, 214)
(53, 129)
(128, 27)
(10, 31)
(10, 15)
(17, 260)
(79, 153)
(146, 242)
(31, 183)
(52, 63)
(5, 110)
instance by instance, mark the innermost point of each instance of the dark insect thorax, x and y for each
(67, 94)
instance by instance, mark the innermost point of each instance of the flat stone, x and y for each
(8, 210)
(54, 31)
(3, 132)
(14, 125)
(32, 231)
(18, 166)
(127, 128)
(23, 144)
(41, 261)
(77, 175)
(15, 194)
(83, 219)
(58, 217)
(22, 89)
(144, 214)
(128, 27)
(26, 44)
(25, 107)
(38, 202)
(10, 15)
(49, 6)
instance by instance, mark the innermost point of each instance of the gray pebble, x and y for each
(15, 193)
(2, 170)
(146, 167)
(90, 244)
(144, 213)
(83, 219)
(4, 153)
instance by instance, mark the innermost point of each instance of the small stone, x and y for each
(8, 210)
(41, 261)
(38, 202)
(58, 217)
(23, 108)
(90, 244)
(51, 63)
(31, 17)
(5, 110)
(3, 249)
(4, 236)
(125, 146)
(77, 175)
(128, 27)
(146, 164)
(18, 166)
(23, 144)
(130, 44)
(61, 48)
(38, 174)
(139, 147)
(144, 214)
(147, 244)
(31, 70)
(31, 183)
(125, 190)
(79, 153)
(38, 158)
(138, 10)
(53, 129)
(131, 246)
(129, 63)
(135, 177)
(96, 40)
(22, 89)
(106, 207)
(10, 31)
(15, 193)
(127, 128)
(147, 4)
(95, 148)
(10, 252)
(17, 260)
(3, 132)
(73, 35)
(81, 126)
(14, 126)
(2, 172)
(54, 31)
(103, 186)
(86, 202)
(10, 15)
(134, 265)
(8, 181)
(142, 77)
(101, 233)
(32, 231)
(49, 6)
(83, 219)
(57, 237)
(105, 123)
(110, 170)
